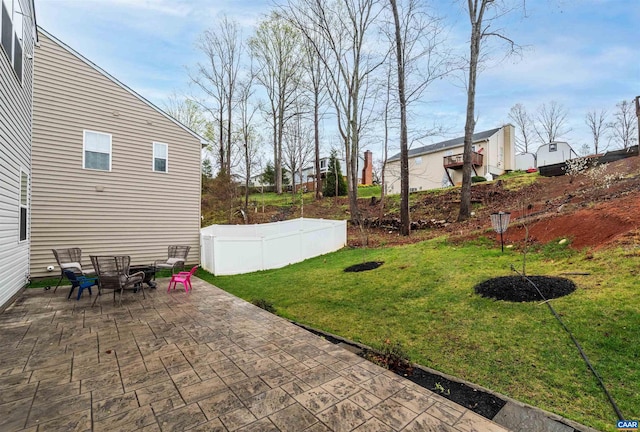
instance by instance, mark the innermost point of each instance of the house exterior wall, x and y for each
(427, 171)
(130, 210)
(499, 152)
(562, 153)
(15, 159)
(509, 137)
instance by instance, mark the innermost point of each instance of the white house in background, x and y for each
(18, 30)
(525, 161)
(440, 164)
(553, 153)
(307, 175)
(309, 171)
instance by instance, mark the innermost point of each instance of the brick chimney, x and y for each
(367, 170)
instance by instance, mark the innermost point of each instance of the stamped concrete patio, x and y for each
(205, 361)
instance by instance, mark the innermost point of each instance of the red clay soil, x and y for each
(599, 225)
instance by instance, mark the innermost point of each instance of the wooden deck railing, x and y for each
(456, 161)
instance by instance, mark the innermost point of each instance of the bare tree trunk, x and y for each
(221, 149)
(386, 145)
(352, 164)
(405, 221)
(275, 148)
(246, 189)
(470, 123)
(229, 115)
(278, 161)
(637, 100)
(316, 138)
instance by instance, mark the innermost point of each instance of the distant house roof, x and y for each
(203, 141)
(456, 142)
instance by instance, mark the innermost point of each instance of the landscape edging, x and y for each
(551, 416)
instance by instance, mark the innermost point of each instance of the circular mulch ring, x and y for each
(371, 265)
(519, 289)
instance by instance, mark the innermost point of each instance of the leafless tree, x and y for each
(551, 122)
(405, 217)
(298, 149)
(276, 48)
(189, 112)
(387, 107)
(637, 102)
(376, 171)
(416, 39)
(623, 127)
(482, 15)
(340, 32)
(524, 125)
(186, 111)
(597, 124)
(217, 78)
(248, 137)
(314, 83)
(584, 150)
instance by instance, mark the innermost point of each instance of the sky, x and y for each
(582, 54)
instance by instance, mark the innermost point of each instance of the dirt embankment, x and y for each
(592, 213)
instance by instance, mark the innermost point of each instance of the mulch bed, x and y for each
(519, 289)
(371, 265)
(478, 401)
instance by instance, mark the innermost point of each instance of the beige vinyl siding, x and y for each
(139, 212)
(15, 155)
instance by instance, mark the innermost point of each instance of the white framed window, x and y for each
(11, 31)
(160, 157)
(553, 147)
(96, 151)
(23, 205)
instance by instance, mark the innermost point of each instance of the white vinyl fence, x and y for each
(236, 249)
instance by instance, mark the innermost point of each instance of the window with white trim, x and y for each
(96, 151)
(160, 157)
(11, 31)
(24, 204)
(553, 147)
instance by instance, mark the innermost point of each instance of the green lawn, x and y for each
(423, 298)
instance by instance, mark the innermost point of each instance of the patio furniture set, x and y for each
(116, 273)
